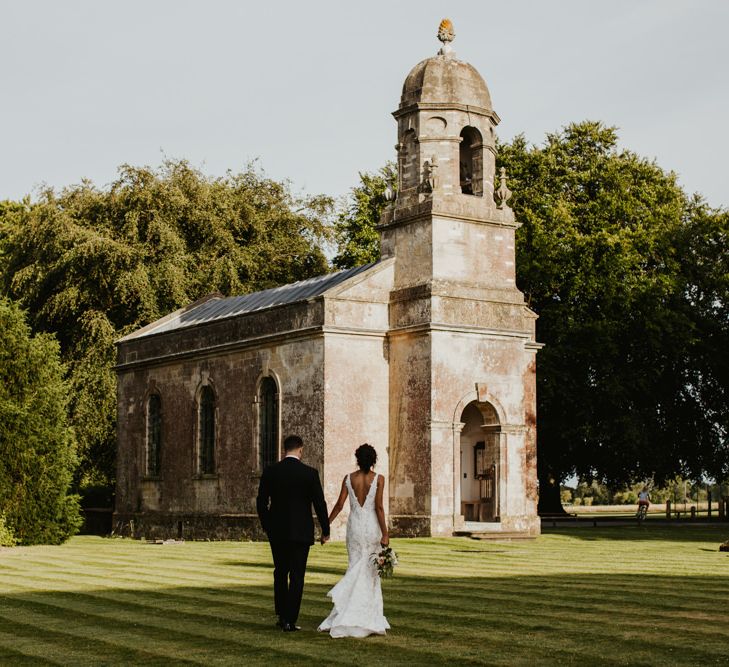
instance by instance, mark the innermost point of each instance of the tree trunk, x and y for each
(550, 500)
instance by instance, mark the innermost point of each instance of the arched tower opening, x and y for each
(409, 161)
(471, 162)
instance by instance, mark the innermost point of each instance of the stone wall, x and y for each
(180, 491)
(410, 447)
(356, 397)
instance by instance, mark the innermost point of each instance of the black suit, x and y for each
(285, 496)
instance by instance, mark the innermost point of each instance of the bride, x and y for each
(357, 597)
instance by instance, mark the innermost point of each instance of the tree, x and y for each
(626, 274)
(91, 265)
(37, 447)
(357, 239)
(629, 278)
(704, 241)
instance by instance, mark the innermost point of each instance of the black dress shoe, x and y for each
(290, 627)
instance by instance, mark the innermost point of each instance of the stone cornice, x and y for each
(453, 207)
(354, 331)
(462, 291)
(222, 348)
(513, 429)
(446, 425)
(428, 327)
(319, 331)
(447, 106)
(257, 341)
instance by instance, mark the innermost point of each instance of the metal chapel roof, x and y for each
(218, 308)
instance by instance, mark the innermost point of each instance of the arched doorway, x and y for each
(480, 460)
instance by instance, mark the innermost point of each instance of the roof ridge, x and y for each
(354, 270)
(214, 309)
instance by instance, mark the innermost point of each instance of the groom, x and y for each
(285, 496)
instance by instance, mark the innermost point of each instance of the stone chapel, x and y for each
(428, 354)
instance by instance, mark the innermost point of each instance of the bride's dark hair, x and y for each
(366, 456)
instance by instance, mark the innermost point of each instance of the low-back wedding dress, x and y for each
(357, 597)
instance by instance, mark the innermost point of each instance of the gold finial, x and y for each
(445, 31)
(446, 35)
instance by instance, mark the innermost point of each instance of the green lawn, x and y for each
(620, 595)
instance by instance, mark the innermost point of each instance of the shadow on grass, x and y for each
(681, 533)
(311, 567)
(566, 619)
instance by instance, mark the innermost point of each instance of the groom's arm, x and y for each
(320, 506)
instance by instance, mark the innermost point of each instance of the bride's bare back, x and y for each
(361, 483)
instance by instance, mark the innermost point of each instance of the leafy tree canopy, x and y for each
(629, 277)
(357, 239)
(37, 447)
(92, 264)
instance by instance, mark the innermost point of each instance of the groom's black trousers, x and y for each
(289, 566)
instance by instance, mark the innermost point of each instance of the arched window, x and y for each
(207, 431)
(471, 161)
(154, 434)
(268, 422)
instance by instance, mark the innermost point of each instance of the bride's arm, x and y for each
(340, 501)
(380, 510)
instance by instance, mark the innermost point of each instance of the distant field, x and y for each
(612, 596)
(655, 508)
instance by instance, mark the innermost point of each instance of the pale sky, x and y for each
(308, 87)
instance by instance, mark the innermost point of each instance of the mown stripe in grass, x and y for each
(518, 618)
(188, 633)
(15, 650)
(504, 624)
(116, 636)
(72, 642)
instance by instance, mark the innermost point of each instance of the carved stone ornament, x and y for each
(503, 194)
(446, 35)
(390, 190)
(430, 175)
(433, 176)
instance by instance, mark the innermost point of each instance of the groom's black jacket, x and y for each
(285, 496)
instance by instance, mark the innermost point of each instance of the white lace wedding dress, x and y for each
(357, 597)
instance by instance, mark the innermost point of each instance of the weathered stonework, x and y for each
(428, 355)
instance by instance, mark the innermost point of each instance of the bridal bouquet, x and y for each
(385, 562)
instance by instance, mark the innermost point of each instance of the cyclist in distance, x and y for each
(644, 498)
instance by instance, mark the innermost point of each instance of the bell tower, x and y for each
(445, 127)
(447, 169)
(459, 327)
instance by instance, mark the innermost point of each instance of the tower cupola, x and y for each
(442, 79)
(445, 128)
